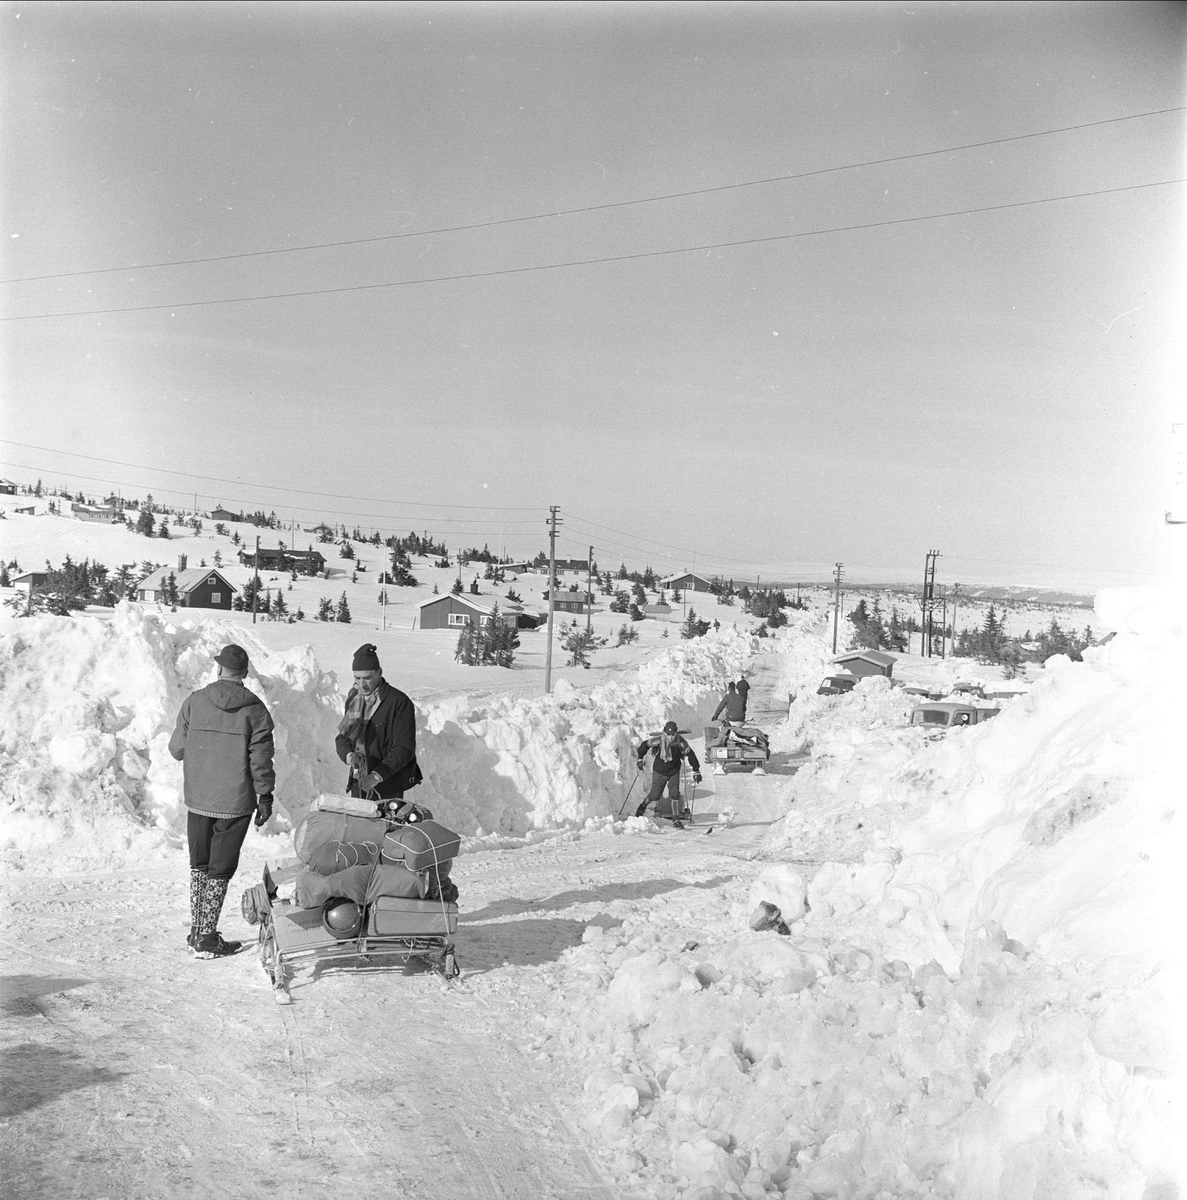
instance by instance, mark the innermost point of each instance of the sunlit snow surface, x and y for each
(983, 1004)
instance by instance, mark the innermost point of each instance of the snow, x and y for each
(977, 992)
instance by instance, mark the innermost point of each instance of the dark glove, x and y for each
(639, 763)
(696, 777)
(369, 781)
(263, 809)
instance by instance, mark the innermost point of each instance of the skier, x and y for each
(224, 741)
(669, 750)
(377, 734)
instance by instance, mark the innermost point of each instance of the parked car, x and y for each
(922, 691)
(947, 713)
(837, 685)
(965, 688)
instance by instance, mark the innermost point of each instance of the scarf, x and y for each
(666, 741)
(358, 712)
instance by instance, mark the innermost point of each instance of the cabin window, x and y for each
(216, 597)
(458, 619)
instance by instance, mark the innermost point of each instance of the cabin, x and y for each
(201, 587)
(29, 580)
(686, 581)
(7, 487)
(306, 562)
(224, 514)
(455, 611)
(572, 602)
(867, 662)
(661, 610)
(96, 514)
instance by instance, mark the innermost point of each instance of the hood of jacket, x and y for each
(230, 695)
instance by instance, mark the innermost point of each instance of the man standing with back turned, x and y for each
(224, 740)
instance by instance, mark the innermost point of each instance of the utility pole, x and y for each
(552, 523)
(944, 623)
(837, 602)
(955, 594)
(928, 601)
(589, 591)
(255, 593)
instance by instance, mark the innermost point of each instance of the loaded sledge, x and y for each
(372, 883)
(737, 745)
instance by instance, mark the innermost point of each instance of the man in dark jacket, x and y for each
(743, 691)
(377, 735)
(669, 750)
(224, 741)
(733, 705)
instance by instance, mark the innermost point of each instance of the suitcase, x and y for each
(392, 916)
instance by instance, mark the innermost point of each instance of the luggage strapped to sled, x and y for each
(392, 927)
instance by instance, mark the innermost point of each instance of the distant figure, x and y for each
(669, 750)
(744, 692)
(224, 741)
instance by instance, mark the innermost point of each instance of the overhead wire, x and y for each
(592, 208)
(589, 262)
(264, 486)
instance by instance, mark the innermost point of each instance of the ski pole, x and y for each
(628, 793)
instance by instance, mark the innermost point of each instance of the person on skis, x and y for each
(669, 750)
(377, 734)
(223, 739)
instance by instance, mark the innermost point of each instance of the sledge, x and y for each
(381, 912)
(744, 746)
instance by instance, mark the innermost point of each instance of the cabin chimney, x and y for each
(181, 561)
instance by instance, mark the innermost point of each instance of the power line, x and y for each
(115, 462)
(589, 262)
(591, 208)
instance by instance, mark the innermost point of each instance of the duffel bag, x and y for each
(313, 890)
(318, 828)
(337, 856)
(395, 880)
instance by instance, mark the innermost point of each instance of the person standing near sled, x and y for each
(223, 739)
(744, 691)
(669, 750)
(377, 734)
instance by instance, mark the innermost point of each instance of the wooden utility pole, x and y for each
(255, 594)
(837, 602)
(927, 602)
(552, 522)
(589, 592)
(955, 594)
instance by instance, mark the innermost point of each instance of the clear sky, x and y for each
(732, 370)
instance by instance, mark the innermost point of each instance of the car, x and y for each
(947, 713)
(837, 685)
(964, 688)
(922, 691)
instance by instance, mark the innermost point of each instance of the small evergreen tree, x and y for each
(325, 609)
(144, 523)
(692, 626)
(342, 612)
(626, 635)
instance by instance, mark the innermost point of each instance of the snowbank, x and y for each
(89, 704)
(979, 1006)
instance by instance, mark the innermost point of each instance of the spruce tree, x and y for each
(342, 613)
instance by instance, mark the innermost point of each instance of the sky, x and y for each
(440, 267)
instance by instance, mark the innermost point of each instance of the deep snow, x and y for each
(977, 996)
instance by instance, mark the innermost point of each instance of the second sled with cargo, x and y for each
(736, 746)
(371, 888)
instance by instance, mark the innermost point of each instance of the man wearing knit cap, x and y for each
(224, 741)
(377, 734)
